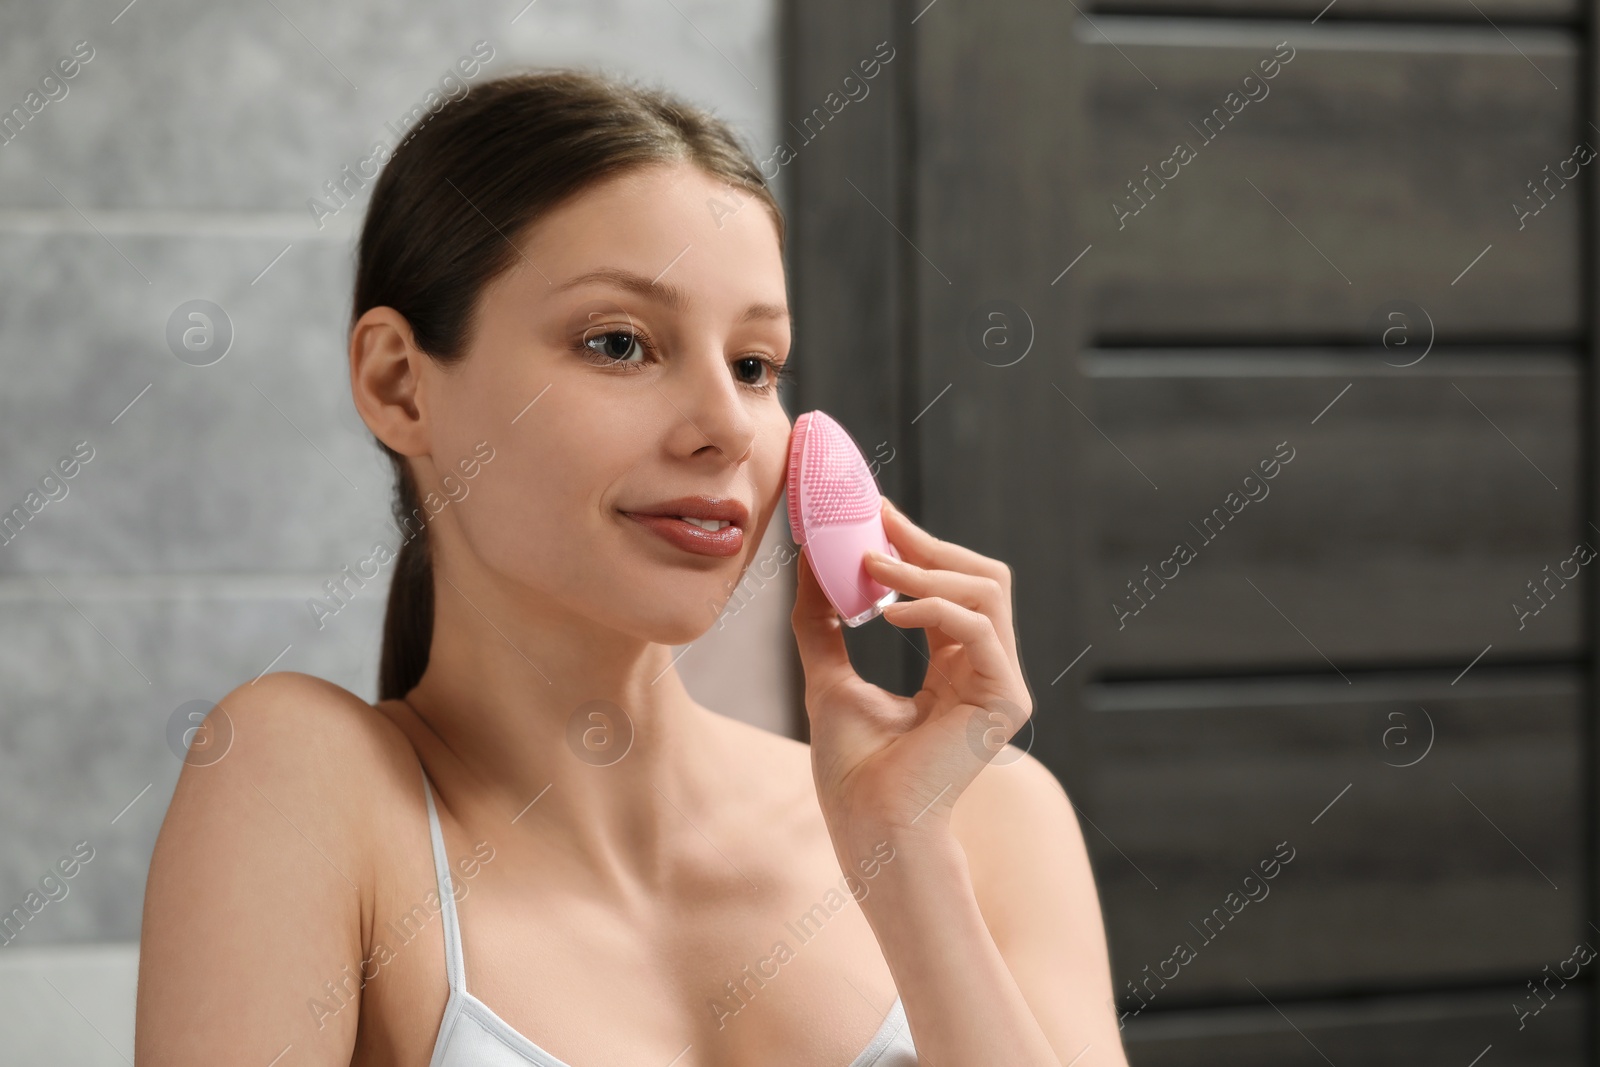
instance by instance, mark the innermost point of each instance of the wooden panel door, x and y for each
(1258, 337)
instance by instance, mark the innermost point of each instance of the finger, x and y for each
(818, 633)
(919, 548)
(922, 548)
(973, 591)
(937, 641)
(974, 631)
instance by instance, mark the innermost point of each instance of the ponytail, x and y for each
(408, 619)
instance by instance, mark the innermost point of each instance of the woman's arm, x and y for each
(257, 887)
(1002, 961)
(993, 931)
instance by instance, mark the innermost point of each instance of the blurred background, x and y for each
(1256, 336)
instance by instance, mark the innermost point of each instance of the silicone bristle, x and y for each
(834, 478)
(797, 445)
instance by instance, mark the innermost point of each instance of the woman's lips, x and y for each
(691, 538)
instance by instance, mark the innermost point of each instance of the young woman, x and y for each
(569, 321)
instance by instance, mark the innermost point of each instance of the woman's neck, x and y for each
(586, 738)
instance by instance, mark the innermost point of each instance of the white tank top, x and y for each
(472, 1035)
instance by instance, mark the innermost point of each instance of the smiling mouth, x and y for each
(713, 525)
(702, 537)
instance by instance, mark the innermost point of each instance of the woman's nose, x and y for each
(715, 409)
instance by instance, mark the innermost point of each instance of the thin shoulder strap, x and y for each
(454, 966)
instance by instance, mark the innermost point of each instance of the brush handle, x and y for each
(837, 555)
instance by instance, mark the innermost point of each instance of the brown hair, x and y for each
(464, 185)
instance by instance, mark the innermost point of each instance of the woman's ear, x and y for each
(386, 380)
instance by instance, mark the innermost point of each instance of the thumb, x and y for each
(819, 633)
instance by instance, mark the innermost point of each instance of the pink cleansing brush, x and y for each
(834, 514)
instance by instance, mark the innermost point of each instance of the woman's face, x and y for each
(629, 359)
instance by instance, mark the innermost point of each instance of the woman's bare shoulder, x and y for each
(313, 737)
(322, 726)
(778, 768)
(266, 856)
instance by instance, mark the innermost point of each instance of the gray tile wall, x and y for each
(177, 166)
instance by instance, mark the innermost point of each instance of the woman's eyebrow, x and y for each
(665, 292)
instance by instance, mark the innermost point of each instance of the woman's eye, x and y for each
(616, 344)
(627, 348)
(755, 365)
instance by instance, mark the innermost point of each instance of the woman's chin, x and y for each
(686, 627)
(685, 623)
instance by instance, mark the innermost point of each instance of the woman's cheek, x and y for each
(512, 518)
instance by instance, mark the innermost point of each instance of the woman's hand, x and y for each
(888, 764)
